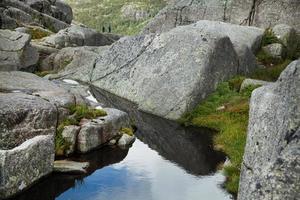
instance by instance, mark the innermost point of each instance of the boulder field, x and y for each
(172, 65)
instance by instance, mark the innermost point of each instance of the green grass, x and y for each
(99, 13)
(128, 131)
(269, 38)
(271, 72)
(227, 111)
(231, 123)
(77, 112)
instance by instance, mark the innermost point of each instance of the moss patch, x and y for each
(128, 131)
(44, 73)
(38, 33)
(79, 112)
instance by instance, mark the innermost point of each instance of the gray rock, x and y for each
(25, 164)
(275, 50)
(266, 13)
(72, 62)
(126, 140)
(100, 131)
(40, 17)
(77, 36)
(253, 82)
(66, 166)
(70, 135)
(134, 13)
(15, 51)
(288, 37)
(62, 11)
(34, 85)
(271, 163)
(246, 41)
(184, 12)
(170, 73)
(23, 117)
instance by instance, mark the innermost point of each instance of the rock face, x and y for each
(70, 135)
(23, 117)
(168, 74)
(271, 162)
(78, 61)
(77, 35)
(288, 36)
(261, 13)
(53, 15)
(15, 51)
(99, 131)
(23, 165)
(275, 50)
(32, 84)
(134, 13)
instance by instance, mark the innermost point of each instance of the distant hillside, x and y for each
(120, 16)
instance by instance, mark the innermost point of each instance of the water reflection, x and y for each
(167, 161)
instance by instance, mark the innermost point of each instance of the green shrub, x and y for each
(269, 37)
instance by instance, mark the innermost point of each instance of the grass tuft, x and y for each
(128, 131)
(231, 123)
(78, 112)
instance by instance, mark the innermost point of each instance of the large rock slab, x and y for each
(261, 13)
(25, 164)
(101, 130)
(24, 116)
(32, 84)
(77, 35)
(16, 53)
(184, 12)
(166, 74)
(271, 164)
(246, 41)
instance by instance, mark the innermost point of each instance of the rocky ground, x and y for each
(177, 61)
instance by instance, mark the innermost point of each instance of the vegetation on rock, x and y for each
(102, 14)
(127, 130)
(77, 112)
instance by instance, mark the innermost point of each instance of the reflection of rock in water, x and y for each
(52, 186)
(190, 148)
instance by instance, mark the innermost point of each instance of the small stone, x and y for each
(276, 50)
(126, 140)
(70, 135)
(253, 82)
(66, 166)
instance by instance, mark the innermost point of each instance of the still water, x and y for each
(167, 161)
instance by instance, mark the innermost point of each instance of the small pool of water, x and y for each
(167, 161)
